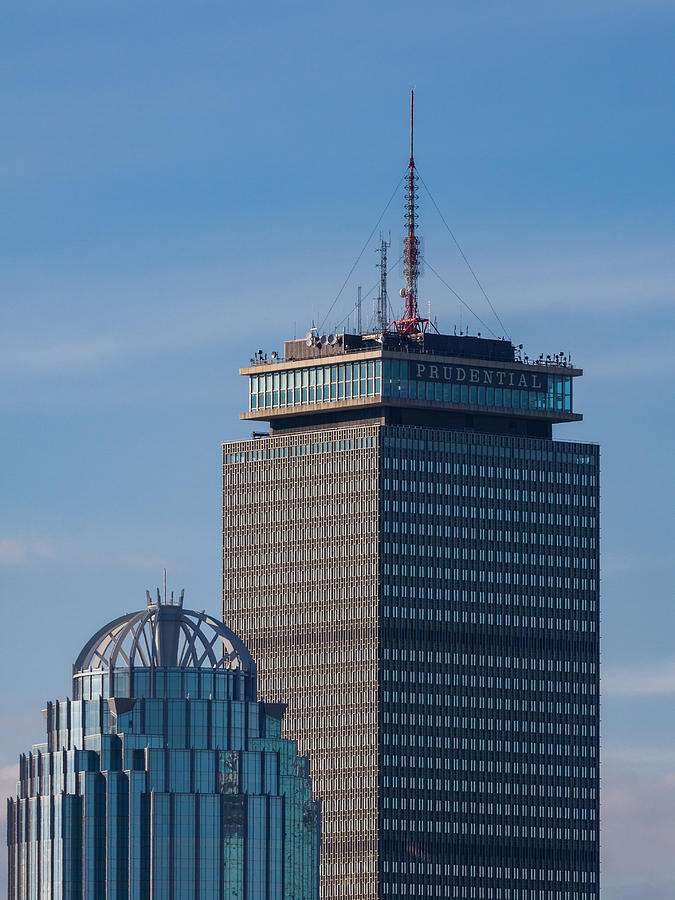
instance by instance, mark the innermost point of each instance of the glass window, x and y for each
(176, 722)
(154, 717)
(205, 684)
(141, 683)
(121, 684)
(199, 723)
(190, 684)
(173, 685)
(222, 679)
(237, 730)
(219, 724)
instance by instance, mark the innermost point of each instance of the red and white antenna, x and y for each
(411, 322)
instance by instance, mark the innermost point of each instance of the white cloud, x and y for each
(18, 552)
(641, 363)
(95, 351)
(626, 561)
(140, 331)
(9, 775)
(127, 561)
(638, 681)
(618, 276)
(61, 355)
(638, 833)
(577, 286)
(639, 757)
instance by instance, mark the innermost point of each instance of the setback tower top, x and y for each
(403, 373)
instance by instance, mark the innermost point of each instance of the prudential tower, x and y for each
(412, 529)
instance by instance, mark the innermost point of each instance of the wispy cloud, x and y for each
(159, 313)
(641, 363)
(643, 757)
(15, 551)
(9, 775)
(127, 561)
(640, 681)
(638, 827)
(97, 351)
(63, 355)
(22, 552)
(618, 563)
(140, 331)
(620, 276)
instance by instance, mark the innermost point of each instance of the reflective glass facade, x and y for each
(392, 379)
(315, 384)
(492, 392)
(164, 781)
(489, 666)
(440, 583)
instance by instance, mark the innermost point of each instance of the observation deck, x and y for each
(458, 381)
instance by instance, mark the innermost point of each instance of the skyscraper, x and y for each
(413, 530)
(164, 776)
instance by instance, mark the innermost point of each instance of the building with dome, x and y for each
(164, 776)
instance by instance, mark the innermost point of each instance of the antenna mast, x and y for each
(382, 298)
(411, 323)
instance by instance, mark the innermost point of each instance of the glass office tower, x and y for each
(164, 776)
(413, 530)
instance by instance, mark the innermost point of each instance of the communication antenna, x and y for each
(382, 318)
(411, 322)
(358, 310)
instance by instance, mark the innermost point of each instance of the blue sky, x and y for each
(184, 183)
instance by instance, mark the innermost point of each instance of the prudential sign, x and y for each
(479, 376)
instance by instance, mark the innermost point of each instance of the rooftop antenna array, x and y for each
(411, 322)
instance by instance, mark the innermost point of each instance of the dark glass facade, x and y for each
(164, 776)
(488, 722)
(436, 565)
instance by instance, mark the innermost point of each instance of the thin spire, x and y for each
(412, 119)
(411, 322)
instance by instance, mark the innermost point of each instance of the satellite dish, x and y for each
(402, 292)
(310, 340)
(324, 339)
(332, 339)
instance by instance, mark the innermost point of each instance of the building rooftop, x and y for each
(164, 635)
(444, 377)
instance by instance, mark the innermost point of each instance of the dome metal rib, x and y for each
(165, 635)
